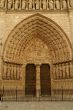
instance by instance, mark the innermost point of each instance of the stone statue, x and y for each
(44, 4)
(10, 3)
(2, 3)
(17, 4)
(30, 4)
(64, 4)
(71, 3)
(27, 4)
(51, 4)
(57, 4)
(23, 4)
(37, 4)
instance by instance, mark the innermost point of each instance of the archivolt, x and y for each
(43, 28)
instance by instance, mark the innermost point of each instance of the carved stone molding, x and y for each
(37, 26)
(35, 5)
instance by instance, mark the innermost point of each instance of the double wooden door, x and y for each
(30, 80)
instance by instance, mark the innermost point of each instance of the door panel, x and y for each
(30, 80)
(45, 79)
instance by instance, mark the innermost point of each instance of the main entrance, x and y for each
(36, 40)
(30, 80)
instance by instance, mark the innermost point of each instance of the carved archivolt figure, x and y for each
(23, 4)
(2, 3)
(71, 3)
(57, 4)
(17, 4)
(51, 4)
(64, 4)
(10, 3)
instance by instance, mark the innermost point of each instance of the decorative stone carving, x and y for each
(64, 4)
(57, 4)
(27, 4)
(37, 4)
(51, 4)
(30, 4)
(2, 3)
(23, 4)
(17, 4)
(10, 3)
(71, 3)
(44, 4)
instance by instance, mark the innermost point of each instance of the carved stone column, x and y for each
(38, 88)
(23, 72)
(1, 60)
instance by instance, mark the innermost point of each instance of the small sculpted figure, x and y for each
(51, 4)
(10, 3)
(23, 4)
(64, 4)
(57, 4)
(17, 3)
(2, 3)
(71, 3)
(30, 4)
(37, 4)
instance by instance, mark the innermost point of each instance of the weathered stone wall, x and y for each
(10, 19)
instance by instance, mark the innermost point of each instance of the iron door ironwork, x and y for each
(30, 80)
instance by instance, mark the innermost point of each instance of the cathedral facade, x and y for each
(36, 46)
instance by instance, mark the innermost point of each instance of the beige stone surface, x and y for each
(38, 34)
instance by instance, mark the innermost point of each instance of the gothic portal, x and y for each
(36, 47)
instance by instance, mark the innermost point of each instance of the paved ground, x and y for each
(36, 106)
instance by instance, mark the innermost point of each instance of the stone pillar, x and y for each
(23, 72)
(1, 66)
(38, 88)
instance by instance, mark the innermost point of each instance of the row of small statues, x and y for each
(35, 4)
